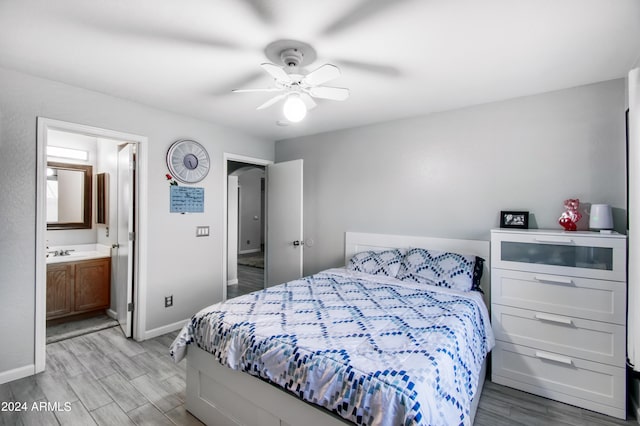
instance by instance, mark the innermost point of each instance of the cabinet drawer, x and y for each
(574, 337)
(570, 296)
(577, 254)
(583, 383)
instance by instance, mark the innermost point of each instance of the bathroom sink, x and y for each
(78, 254)
(75, 256)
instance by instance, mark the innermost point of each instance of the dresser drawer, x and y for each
(569, 296)
(575, 337)
(577, 254)
(583, 383)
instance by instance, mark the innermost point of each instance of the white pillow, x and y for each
(386, 262)
(440, 268)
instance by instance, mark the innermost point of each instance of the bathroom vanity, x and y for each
(78, 283)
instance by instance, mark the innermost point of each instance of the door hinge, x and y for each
(130, 307)
(132, 236)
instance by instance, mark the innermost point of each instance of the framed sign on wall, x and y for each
(185, 199)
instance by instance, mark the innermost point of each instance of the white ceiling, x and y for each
(399, 58)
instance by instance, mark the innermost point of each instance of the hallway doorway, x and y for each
(245, 228)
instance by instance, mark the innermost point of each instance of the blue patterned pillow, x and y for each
(440, 268)
(385, 262)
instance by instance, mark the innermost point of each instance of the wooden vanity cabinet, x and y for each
(78, 287)
(92, 287)
(60, 278)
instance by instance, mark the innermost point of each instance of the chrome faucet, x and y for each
(60, 252)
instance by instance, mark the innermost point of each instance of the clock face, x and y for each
(188, 161)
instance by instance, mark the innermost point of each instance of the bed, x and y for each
(348, 345)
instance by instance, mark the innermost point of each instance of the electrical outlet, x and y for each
(168, 301)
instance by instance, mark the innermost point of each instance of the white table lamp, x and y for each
(600, 217)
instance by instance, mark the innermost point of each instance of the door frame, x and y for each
(241, 159)
(140, 244)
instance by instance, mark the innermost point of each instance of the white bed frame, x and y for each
(220, 396)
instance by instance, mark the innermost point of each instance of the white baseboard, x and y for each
(17, 373)
(232, 282)
(150, 334)
(112, 314)
(249, 251)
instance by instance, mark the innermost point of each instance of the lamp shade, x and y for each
(294, 108)
(600, 217)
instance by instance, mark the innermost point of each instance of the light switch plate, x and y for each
(202, 231)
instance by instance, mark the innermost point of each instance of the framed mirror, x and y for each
(69, 196)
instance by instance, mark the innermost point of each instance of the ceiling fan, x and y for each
(297, 88)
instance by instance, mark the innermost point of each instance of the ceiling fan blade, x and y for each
(267, 89)
(386, 70)
(261, 10)
(308, 101)
(272, 101)
(158, 34)
(326, 92)
(360, 12)
(276, 72)
(321, 75)
(246, 80)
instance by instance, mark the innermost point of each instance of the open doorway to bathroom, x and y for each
(245, 227)
(83, 269)
(87, 218)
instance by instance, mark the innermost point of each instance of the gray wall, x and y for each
(178, 263)
(449, 174)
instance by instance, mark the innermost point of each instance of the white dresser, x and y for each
(559, 315)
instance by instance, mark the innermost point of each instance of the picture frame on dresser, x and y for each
(514, 219)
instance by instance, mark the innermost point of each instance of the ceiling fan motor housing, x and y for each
(292, 57)
(290, 53)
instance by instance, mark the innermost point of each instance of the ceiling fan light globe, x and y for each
(294, 108)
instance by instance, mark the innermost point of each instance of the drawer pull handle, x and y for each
(553, 318)
(554, 240)
(550, 279)
(554, 357)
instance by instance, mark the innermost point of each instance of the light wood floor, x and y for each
(503, 406)
(249, 279)
(109, 380)
(104, 379)
(78, 327)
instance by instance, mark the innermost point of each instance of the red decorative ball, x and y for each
(567, 224)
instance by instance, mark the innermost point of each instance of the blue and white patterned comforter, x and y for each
(373, 349)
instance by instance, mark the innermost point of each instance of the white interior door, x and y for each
(232, 230)
(124, 253)
(284, 222)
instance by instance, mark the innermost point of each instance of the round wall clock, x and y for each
(188, 161)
